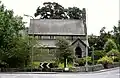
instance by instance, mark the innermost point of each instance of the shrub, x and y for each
(114, 54)
(35, 64)
(105, 60)
(116, 59)
(109, 45)
(64, 51)
(81, 61)
(61, 65)
(98, 54)
(119, 47)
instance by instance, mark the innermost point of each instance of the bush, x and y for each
(114, 54)
(109, 45)
(36, 64)
(82, 61)
(61, 65)
(116, 59)
(105, 60)
(98, 54)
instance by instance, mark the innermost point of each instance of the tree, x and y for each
(10, 26)
(74, 13)
(19, 55)
(14, 50)
(57, 11)
(101, 40)
(116, 35)
(51, 11)
(64, 50)
(92, 39)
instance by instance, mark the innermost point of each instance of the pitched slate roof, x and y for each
(56, 27)
(85, 43)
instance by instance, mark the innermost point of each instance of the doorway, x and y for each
(78, 52)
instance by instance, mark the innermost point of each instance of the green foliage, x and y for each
(99, 54)
(64, 51)
(36, 64)
(116, 59)
(51, 11)
(118, 47)
(114, 54)
(17, 56)
(109, 45)
(82, 61)
(57, 11)
(105, 60)
(92, 40)
(43, 54)
(99, 41)
(74, 13)
(14, 49)
(61, 65)
(116, 36)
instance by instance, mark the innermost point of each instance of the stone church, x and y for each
(73, 30)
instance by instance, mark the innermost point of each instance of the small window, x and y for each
(45, 37)
(36, 37)
(68, 37)
(71, 37)
(52, 37)
(39, 37)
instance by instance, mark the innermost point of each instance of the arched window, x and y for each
(78, 52)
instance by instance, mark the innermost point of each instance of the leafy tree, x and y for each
(64, 50)
(98, 42)
(102, 39)
(14, 49)
(116, 35)
(92, 39)
(74, 13)
(10, 26)
(57, 11)
(51, 11)
(17, 56)
(109, 45)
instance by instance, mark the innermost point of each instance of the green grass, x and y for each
(61, 65)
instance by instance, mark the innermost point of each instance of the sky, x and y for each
(100, 13)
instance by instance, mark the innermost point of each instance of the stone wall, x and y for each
(90, 68)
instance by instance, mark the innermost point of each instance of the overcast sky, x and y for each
(99, 12)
